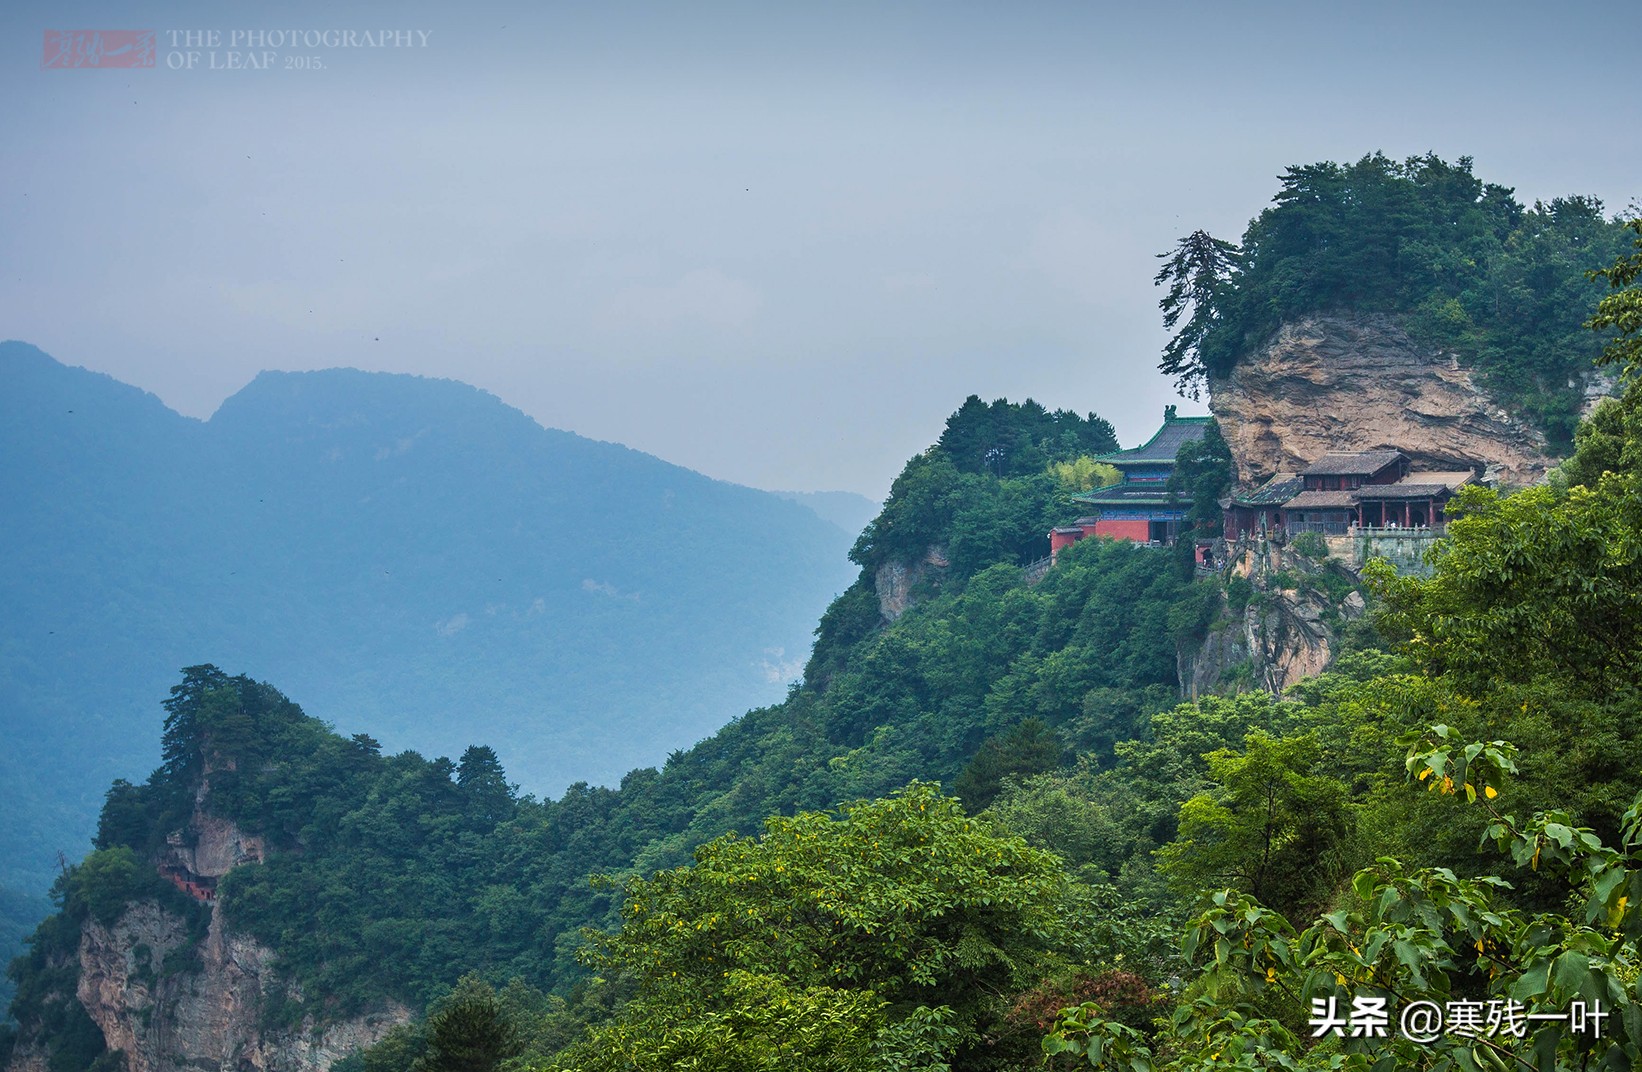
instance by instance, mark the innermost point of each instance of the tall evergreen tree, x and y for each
(1197, 272)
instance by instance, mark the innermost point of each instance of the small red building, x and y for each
(200, 887)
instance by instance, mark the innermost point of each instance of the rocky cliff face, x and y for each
(1360, 383)
(898, 583)
(1284, 634)
(171, 999)
(207, 1016)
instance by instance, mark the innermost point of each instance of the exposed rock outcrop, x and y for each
(170, 997)
(1284, 634)
(897, 583)
(1361, 383)
(170, 1006)
(219, 846)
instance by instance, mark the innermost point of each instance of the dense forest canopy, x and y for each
(407, 554)
(1468, 267)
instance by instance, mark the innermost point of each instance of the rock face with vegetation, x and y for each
(167, 1001)
(1281, 622)
(145, 949)
(899, 584)
(1346, 383)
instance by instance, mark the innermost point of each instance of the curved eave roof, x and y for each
(1128, 495)
(1165, 443)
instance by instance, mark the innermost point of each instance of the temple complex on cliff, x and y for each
(1139, 506)
(1340, 494)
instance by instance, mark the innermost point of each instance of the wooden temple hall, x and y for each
(1139, 507)
(1344, 492)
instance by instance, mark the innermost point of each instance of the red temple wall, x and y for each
(1139, 531)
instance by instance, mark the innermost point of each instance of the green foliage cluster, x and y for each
(1084, 473)
(989, 490)
(474, 1028)
(1468, 266)
(1621, 311)
(1019, 438)
(1611, 439)
(894, 914)
(1203, 474)
(1269, 825)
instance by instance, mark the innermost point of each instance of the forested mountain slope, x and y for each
(411, 556)
(413, 875)
(1450, 816)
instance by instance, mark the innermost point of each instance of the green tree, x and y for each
(1610, 441)
(917, 515)
(1621, 311)
(1203, 474)
(1541, 583)
(482, 779)
(469, 1031)
(1031, 747)
(1199, 271)
(180, 744)
(1084, 473)
(759, 1024)
(905, 898)
(1270, 824)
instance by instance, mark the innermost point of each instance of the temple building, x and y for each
(1138, 507)
(1343, 492)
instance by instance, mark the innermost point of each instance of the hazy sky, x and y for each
(774, 242)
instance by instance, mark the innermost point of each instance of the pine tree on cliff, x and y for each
(181, 741)
(1199, 272)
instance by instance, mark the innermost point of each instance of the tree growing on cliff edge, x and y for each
(1622, 310)
(1466, 267)
(1198, 272)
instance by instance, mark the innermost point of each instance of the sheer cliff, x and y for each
(1333, 383)
(171, 984)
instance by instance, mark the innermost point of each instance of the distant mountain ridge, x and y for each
(411, 554)
(846, 509)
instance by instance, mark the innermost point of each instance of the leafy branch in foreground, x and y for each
(1541, 992)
